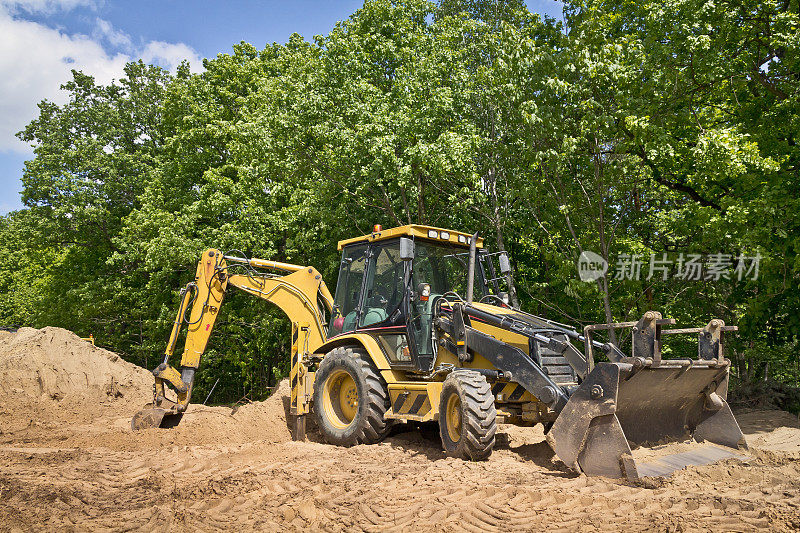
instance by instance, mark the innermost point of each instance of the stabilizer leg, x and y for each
(299, 378)
(299, 432)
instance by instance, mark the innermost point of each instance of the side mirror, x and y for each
(406, 249)
(505, 265)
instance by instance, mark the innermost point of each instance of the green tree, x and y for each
(637, 128)
(709, 117)
(92, 158)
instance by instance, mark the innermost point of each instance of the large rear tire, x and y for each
(467, 416)
(350, 398)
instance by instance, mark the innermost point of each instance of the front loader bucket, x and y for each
(155, 417)
(643, 404)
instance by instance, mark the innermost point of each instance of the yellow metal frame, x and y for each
(286, 292)
(298, 375)
(298, 290)
(414, 400)
(208, 291)
(370, 344)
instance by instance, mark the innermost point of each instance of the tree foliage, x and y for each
(634, 128)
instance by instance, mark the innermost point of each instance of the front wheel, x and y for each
(350, 398)
(467, 416)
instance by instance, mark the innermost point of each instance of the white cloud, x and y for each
(46, 6)
(36, 59)
(104, 30)
(170, 55)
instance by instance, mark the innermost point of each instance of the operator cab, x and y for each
(388, 289)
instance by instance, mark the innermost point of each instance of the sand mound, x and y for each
(222, 427)
(229, 468)
(257, 421)
(50, 378)
(55, 364)
(771, 431)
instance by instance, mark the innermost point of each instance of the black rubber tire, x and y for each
(478, 416)
(368, 425)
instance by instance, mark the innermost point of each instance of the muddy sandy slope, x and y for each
(72, 464)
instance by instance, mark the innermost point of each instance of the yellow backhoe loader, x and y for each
(420, 331)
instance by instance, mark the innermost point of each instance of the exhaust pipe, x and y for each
(471, 268)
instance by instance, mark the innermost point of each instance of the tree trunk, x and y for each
(421, 210)
(498, 228)
(604, 245)
(603, 284)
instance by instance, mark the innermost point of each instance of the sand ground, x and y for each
(69, 462)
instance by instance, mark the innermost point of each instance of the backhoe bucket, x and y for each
(155, 417)
(642, 403)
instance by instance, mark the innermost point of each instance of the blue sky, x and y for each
(41, 40)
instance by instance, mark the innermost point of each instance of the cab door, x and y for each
(383, 288)
(349, 288)
(420, 321)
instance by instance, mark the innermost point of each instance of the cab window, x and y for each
(348, 289)
(384, 285)
(444, 268)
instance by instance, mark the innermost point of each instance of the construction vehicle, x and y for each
(420, 330)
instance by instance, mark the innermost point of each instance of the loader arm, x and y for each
(613, 407)
(298, 290)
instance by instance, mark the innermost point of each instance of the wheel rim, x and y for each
(454, 418)
(340, 399)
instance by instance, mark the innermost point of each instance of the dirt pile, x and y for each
(229, 468)
(55, 364)
(52, 382)
(775, 432)
(253, 422)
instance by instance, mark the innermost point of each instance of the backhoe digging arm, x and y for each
(301, 294)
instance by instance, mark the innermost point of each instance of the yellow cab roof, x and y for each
(416, 231)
